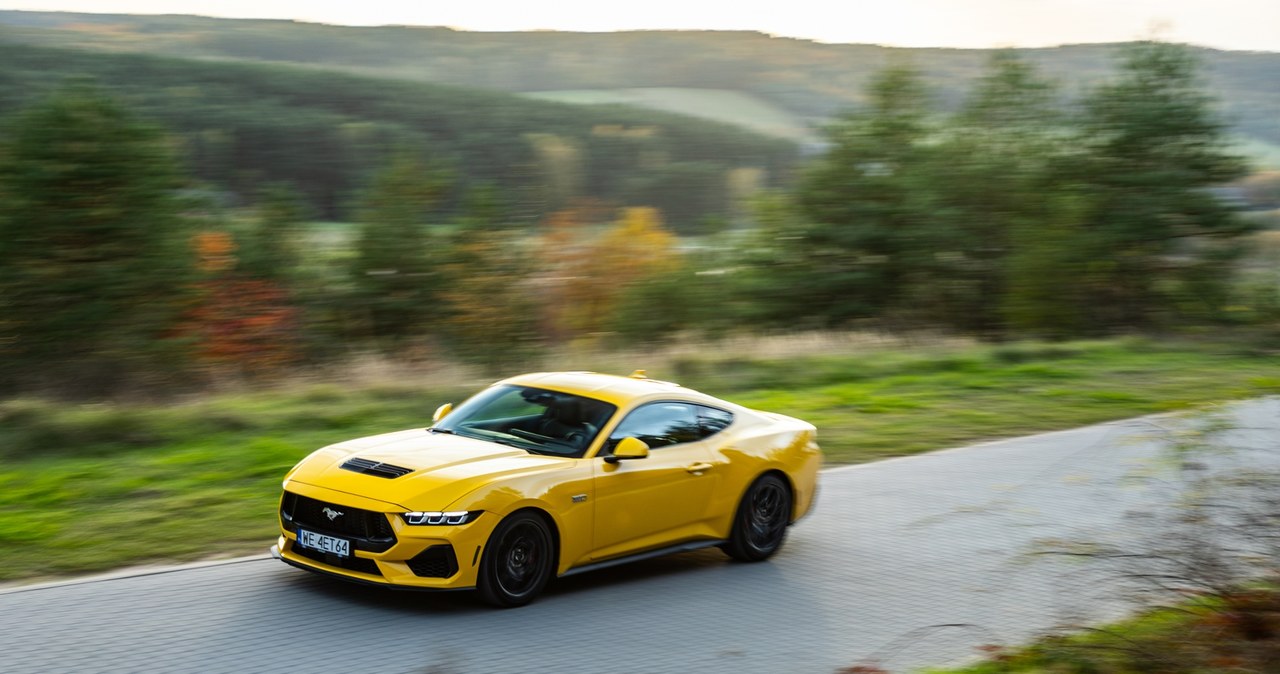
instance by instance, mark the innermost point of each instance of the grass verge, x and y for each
(1197, 637)
(89, 488)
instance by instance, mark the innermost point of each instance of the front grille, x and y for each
(358, 564)
(368, 530)
(437, 561)
(375, 468)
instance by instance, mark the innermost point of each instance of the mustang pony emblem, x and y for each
(331, 513)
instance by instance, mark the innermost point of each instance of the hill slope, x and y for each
(243, 123)
(808, 80)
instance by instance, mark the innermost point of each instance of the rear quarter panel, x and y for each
(760, 442)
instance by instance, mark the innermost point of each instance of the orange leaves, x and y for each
(238, 322)
(244, 323)
(588, 272)
(214, 251)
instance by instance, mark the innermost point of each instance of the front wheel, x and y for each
(518, 561)
(760, 524)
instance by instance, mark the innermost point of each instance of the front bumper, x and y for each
(449, 556)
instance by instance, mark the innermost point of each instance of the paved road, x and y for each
(894, 552)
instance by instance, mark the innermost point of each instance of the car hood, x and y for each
(444, 467)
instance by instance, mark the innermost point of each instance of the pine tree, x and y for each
(271, 249)
(395, 274)
(863, 203)
(1153, 145)
(992, 195)
(94, 255)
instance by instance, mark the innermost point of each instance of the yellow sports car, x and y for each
(546, 475)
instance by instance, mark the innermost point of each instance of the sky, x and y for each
(1225, 24)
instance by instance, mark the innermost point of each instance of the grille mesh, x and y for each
(368, 530)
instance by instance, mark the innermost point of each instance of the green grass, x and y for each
(895, 403)
(89, 488)
(96, 487)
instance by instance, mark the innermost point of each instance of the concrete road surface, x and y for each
(905, 563)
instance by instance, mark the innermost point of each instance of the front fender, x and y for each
(568, 499)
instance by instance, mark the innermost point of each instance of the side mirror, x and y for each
(441, 412)
(628, 448)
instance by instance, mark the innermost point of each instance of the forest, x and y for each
(240, 125)
(165, 224)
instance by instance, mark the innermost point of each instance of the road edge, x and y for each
(130, 572)
(140, 571)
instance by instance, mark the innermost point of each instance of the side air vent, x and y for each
(437, 561)
(374, 468)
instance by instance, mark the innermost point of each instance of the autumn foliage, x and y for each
(238, 323)
(589, 270)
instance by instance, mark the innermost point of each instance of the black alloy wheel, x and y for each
(760, 524)
(518, 561)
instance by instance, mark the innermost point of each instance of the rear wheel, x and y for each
(517, 562)
(760, 525)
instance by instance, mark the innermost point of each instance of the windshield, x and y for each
(533, 419)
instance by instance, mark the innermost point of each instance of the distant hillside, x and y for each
(243, 124)
(806, 80)
(733, 107)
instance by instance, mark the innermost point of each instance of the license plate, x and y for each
(314, 541)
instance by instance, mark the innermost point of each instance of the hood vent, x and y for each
(374, 468)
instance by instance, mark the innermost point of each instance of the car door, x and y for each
(661, 499)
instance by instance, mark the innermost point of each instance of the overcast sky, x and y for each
(1227, 24)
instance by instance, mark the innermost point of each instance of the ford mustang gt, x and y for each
(545, 475)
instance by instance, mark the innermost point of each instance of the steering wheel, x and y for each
(579, 438)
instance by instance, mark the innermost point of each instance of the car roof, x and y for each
(608, 387)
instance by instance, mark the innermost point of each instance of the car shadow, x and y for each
(467, 601)
(369, 596)
(640, 571)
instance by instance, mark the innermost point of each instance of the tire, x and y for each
(518, 561)
(760, 524)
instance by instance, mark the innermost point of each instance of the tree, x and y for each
(686, 192)
(394, 271)
(594, 276)
(94, 254)
(1152, 146)
(490, 305)
(995, 206)
(863, 201)
(270, 250)
(778, 269)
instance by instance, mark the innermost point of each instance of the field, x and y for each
(731, 107)
(93, 487)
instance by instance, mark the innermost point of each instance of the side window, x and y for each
(660, 425)
(713, 420)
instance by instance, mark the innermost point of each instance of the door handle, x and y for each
(698, 468)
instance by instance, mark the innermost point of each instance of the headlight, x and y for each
(439, 519)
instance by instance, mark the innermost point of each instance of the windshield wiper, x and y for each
(518, 444)
(443, 431)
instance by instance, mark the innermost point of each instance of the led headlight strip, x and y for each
(439, 518)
